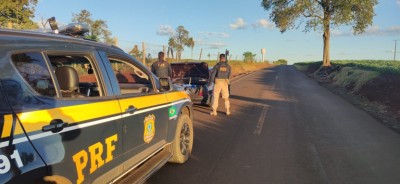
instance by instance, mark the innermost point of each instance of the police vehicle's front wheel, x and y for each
(182, 145)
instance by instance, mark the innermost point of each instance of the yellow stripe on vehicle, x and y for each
(175, 96)
(35, 120)
(143, 102)
(7, 127)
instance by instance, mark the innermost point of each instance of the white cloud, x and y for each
(398, 2)
(264, 23)
(221, 34)
(216, 45)
(239, 24)
(210, 45)
(214, 34)
(165, 30)
(371, 31)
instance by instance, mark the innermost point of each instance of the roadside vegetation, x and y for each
(238, 67)
(280, 62)
(371, 84)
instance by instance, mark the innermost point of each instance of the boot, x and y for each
(213, 112)
(227, 106)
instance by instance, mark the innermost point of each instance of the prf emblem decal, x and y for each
(149, 128)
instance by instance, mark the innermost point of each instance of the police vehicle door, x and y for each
(65, 109)
(145, 111)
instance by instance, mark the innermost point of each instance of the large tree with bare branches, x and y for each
(321, 15)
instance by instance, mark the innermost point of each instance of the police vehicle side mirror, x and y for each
(165, 84)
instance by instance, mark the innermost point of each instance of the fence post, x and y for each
(163, 49)
(116, 41)
(144, 53)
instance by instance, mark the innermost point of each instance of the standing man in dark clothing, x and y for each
(220, 75)
(161, 68)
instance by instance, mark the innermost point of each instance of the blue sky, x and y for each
(239, 26)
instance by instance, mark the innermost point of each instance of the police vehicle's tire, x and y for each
(182, 145)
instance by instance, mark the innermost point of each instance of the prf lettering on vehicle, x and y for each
(94, 154)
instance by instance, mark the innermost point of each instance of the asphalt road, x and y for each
(285, 128)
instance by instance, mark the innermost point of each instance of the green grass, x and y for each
(301, 67)
(357, 78)
(354, 73)
(380, 66)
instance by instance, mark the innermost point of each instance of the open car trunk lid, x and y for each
(190, 73)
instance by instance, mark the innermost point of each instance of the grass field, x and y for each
(380, 66)
(353, 73)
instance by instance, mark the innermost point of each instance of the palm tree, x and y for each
(172, 44)
(191, 44)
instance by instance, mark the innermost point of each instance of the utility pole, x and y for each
(395, 45)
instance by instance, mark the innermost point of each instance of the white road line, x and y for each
(261, 120)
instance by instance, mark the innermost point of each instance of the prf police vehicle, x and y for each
(78, 111)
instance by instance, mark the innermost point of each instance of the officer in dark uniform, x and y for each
(220, 77)
(161, 68)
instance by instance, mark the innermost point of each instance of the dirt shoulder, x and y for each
(376, 93)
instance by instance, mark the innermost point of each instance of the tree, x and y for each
(149, 59)
(98, 29)
(280, 62)
(179, 40)
(248, 56)
(321, 15)
(135, 52)
(191, 45)
(172, 45)
(19, 13)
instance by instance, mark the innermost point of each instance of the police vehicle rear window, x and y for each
(34, 70)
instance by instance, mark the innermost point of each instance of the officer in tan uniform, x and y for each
(220, 76)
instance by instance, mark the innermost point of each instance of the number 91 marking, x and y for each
(5, 163)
